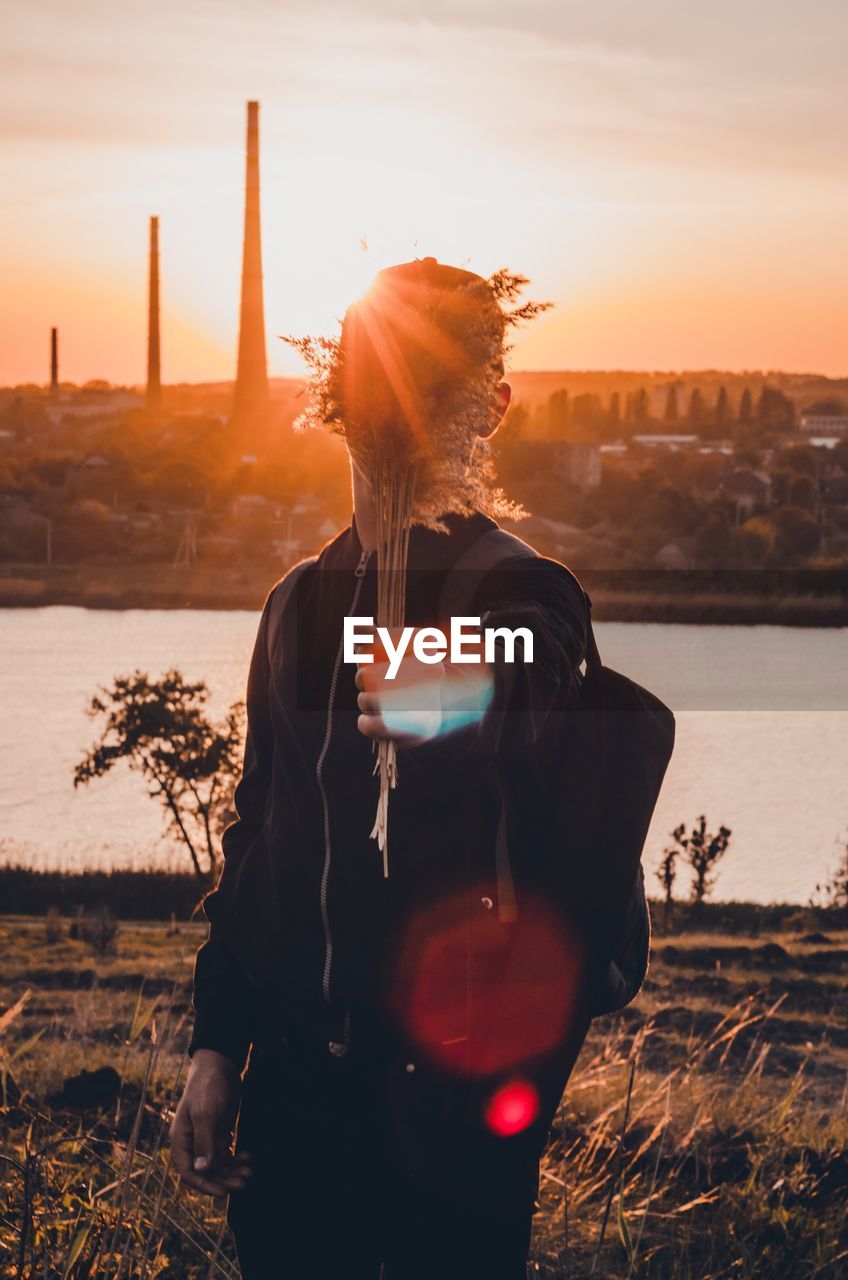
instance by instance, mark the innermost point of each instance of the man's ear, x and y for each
(504, 398)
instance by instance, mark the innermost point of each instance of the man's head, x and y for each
(423, 348)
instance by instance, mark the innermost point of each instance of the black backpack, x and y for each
(616, 745)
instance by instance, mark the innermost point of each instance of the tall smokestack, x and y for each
(54, 363)
(251, 395)
(154, 382)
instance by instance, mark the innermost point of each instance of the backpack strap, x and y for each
(625, 972)
(487, 552)
(593, 657)
(282, 593)
(490, 551)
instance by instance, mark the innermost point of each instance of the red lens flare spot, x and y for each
(478, 996)
(512, 1108)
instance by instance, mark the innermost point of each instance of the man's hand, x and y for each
(423, 701)
(202, 1129)
(408, 708)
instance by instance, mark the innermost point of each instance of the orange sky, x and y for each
(674, 178)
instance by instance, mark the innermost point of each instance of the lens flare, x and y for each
(413, 709)
(478, 997)
(466, 700)
(432, 708)
(512, 1108)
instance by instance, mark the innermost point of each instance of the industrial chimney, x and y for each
(54, 363)
(251, 394)
(154, 382)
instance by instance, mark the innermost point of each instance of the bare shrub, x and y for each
(53, 928)
(99, 931)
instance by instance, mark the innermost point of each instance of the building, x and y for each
(95, 403)
(663, 440)
(577, 464)
(749, 491)
(678, 554)
(824, 424)
(255, 505)
(824, 442)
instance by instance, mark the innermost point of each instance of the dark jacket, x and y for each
(302, 919)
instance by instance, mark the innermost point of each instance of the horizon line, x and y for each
(92, 384)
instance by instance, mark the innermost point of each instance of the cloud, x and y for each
(665, 85)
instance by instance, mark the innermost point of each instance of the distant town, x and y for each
(701, 472)
(192, 495)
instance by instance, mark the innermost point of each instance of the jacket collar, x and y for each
(429, 549)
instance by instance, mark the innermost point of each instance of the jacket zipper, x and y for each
(359, 574)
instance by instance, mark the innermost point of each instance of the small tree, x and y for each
(756, 539)
(667, 871)
(696, 409)
(558, 414)
(775, 408)
(798, 535)
(640, 407)
(160, 727)
(672, 412)
(836, 889)
(722, 409)
(703, 852)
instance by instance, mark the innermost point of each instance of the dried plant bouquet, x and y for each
(412, 384)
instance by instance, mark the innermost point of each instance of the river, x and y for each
(762, 728)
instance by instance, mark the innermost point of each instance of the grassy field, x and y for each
(704, 1134)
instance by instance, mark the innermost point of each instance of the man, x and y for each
(409, 1035)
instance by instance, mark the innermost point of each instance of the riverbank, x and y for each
(734, 1154)
(800, 598)
(175, 896)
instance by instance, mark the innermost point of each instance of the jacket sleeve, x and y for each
(222, 991)
(541, 597)
(514, 708)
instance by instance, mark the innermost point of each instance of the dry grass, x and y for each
(732, 1162)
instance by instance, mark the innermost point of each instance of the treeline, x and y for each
(151, 895)
(128, 895)
(590, 416)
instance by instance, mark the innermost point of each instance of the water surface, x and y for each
(762, 723)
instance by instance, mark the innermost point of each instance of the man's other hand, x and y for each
(202, 1129)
